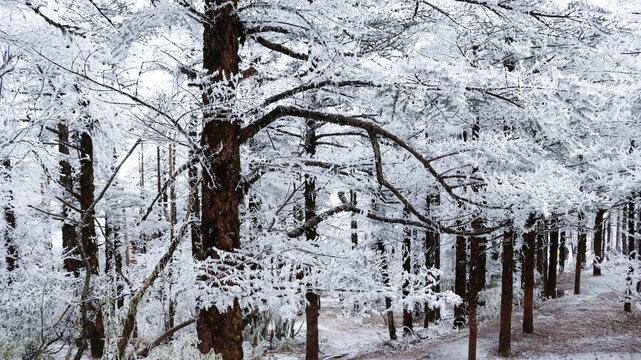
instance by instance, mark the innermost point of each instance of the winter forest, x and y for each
(320, 179)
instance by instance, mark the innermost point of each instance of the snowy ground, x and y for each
(588, 326)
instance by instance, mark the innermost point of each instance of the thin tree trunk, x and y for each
(218, 330)
(473, 290)
(554, 247)
(354, 223)
(380, 246)
(580, 254)
(505, 331)
(598, 246)
(432, 256)
(528, 297)
(72, 262)
(631, 229)
(460, 281)
(406, 254)
(11, 256)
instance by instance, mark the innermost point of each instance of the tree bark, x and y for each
(505, 331)
(312, 306)
(406, 254)
(528, 297)
(217, 330)
(460, 282)
(598, 242)
(554, 247)
(11, 256)
(473, 290)
(580, 254)
(540, 261)
(72, 262)
(631, 230)
(354, 223)
(432, 259)
(96, 330)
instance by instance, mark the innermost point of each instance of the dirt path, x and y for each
(588, 326)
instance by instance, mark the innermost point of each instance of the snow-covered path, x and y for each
(588, 326)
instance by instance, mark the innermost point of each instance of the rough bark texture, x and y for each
(460, 281)
(220, 331)
(598, 243)
(406, 253)
(528, 291)
(72, 262)
(11, 256)
(473, 291)
(554, 247)
(96, 330)
(505, 331)
(313, 300)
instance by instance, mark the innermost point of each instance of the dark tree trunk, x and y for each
(72, 262)
(432, 259)
(354, 223)
(598, 240)
(96, 332)
(562, 253)
(631, 230)
(380, 246)
(624, 230)
(11, 256)
(313, 299)
(473, 290)
(220, 331)
(194, 195)
(580, 254)
(528, 297)
(505, 332)
(554, 247)
(460, 281)
(406, 254)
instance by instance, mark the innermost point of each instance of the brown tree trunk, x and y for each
(11, 256)
(406, 254)
(354, 223)
(528, 296)
(72, 262)
(460, 281)
(598, 240)
(554, 247)
(473, 290)
(220, 331)
(505, 331)
(96, 332)
(580, 254)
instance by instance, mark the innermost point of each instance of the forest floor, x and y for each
(587, 326)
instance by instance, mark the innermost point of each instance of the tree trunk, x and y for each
(598, 240)
(313, 299)
(11, 256)
(217, 330)
(631, 230)
(354, 223)
(505, 332)
(96, 332)
(406, 254)
(380, 247)
(528, 297)
(72, 262)
(580, 254)
(554, 247)
(460, 281)
(473, 290)
(432, 260)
